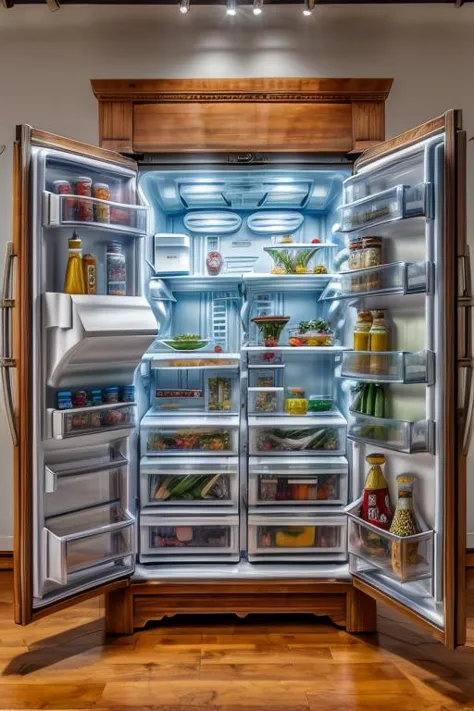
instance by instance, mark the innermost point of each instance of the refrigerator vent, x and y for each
(264, 305)
(213, 243)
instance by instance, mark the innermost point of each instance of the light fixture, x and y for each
(184, 7)
(7, 3)
(232, 7)
(257, 7)
(308, 7)
(53, 5)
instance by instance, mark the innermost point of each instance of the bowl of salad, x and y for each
(312, 333)
(186, 342)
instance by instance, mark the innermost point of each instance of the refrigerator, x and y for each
(241, 452)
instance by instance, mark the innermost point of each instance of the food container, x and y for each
(265, 400)
(89, 267)
(122, 216)
(64, 187)
(295, 402)
(80, 399)
(318, 404)
(64, 399)
(128, 393)
(83, 208)
(116, 270)
(111, 395)
(311, 337)
(172, 254)
(102, 192)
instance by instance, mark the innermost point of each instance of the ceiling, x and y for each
(11, 3)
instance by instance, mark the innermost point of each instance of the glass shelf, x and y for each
(82, 211)
(398, 203)
(396, 278)
(404, 559)
(286, 282)
(388, 366)
(398, 435)
(91, 420)
(184, 360)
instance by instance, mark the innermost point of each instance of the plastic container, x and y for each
(318, 404)
(116, 270)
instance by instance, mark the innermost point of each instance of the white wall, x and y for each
(47, 59)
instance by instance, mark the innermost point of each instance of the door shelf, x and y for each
(97, 537)
(294, 537)
(404, 559)
(66, 210)
(182, 482)
(396, 278)
(319, 350)
(286, 282)
(398, 203)
(388, 366)
(306, 482)
(189, 539)
(82, 486)
(297, 436)
(398, 435)
(201, 436)
(184, 360)
(92, 420)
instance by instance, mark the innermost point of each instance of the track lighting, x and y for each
(53, 5)
(257, 7)
(308, 7)
(184, 7)
(232, 7)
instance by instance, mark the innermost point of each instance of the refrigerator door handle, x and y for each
(7, 362)
(465, 360)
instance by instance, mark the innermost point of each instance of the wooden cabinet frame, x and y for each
(229, 115)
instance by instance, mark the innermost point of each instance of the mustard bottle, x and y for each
(74, 280)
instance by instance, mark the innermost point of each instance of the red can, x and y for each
(84, 208)
(80, 399)
(64, 187)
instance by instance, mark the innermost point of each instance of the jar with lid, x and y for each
(404, 523)
(295, 402)
(379, 342)
(361, 340)
(116, 269)
(101, 191)
(355, 262)
(376, 506)
(372, 257)
(84, 208)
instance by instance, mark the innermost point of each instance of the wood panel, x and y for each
(255, 126)
(6, 560)
(275, 114)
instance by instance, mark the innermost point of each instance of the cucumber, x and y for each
(370, 406)
(363, 404)
(358, 399)
(379, 401)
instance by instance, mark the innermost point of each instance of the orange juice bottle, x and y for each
(379, 342)
(362, 340)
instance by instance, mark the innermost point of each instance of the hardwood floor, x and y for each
(226, 664)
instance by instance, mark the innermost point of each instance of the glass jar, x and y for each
(372, 257)
(295, 402)
(318, 404)
(361, 340)
(379, 342)
(404, 523)
(376, 506)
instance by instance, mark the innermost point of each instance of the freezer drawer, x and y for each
(91, 420)
(184, 482)
(85, 484)
(388, 366)
(397, 203)
(189, 538)
(88, 212)
(98, 538)
(399, 435)
(199, 436)
(297, 436)
(295, 537)
(402, 558)
(306, 482)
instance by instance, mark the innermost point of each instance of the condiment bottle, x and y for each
(372, 257)
(379, 342)
(404, 523)
(89, 266)
(362, 340)
(74, 280)
(355, 262)
(376, 506)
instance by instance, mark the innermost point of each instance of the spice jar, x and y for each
(372, 257)
(404, 523)
(101, 211)
(295, 402)
(84, 208)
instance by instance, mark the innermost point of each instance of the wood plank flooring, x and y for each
(226, 664)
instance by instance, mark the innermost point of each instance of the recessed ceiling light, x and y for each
(232, 7)
(308, 7)
(257, 7)
(184, 7)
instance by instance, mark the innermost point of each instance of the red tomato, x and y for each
(315, 241)
(217, 349)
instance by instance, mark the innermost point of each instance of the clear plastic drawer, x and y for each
(399, 435)
(189, 539)
(98, 538)
(397, 203)
(293, 435)
(388, 366)
(403, 558)
(304, 482)
(90, 420)
(266, 400)
(200, 435)
(181, 482)
(84, 484)
(297, 537)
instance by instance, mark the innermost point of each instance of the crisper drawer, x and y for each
(188, 538)
(303, 482)
(69, 487)
(183, 481)
(297, 537)
(96, 538)
(92, 420)
(404, 559)
(297, 435)
(199, 435)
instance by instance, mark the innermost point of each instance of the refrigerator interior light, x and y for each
(257, 7)
(184, 7)
(232, 7)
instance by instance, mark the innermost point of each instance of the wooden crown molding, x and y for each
(242, 90)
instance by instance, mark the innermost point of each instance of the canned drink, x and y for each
(128, 393)
(111, 395)
(80, 399)
(64, 400)
(101, 191)
(84, 208)
(64, 187)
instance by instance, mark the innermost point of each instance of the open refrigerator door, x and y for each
(80, 326)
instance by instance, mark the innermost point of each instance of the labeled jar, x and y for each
(372, 257)
(295, 402)
(116, 269)
(111, 395)
(64, 187)
(101, 191)
(89, 267)
(361, 341)
(379, 342)
(64, 400)
(84, 208)
(355, 262)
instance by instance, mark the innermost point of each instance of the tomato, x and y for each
(315, 241)
(295, 342)
(217, 349)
